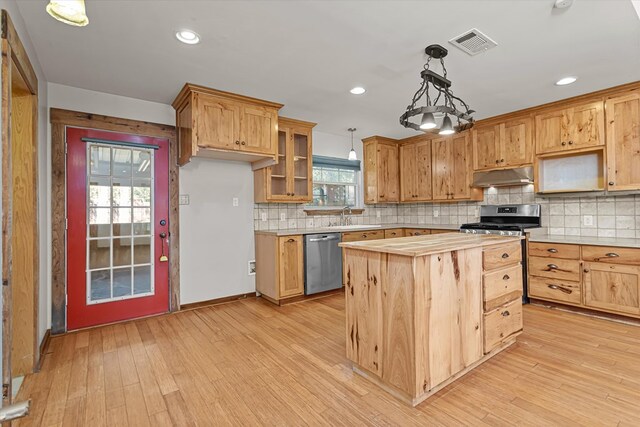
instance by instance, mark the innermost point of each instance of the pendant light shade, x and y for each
(428, 121)
(447, 127)
(352, 153)
(70, 12)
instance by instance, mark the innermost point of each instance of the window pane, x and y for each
(100, 160)
(100, 285)
(121, 282)
(142, 279)
(141, 163)
(347, 176)
(99, 222)
(99, 253)
(122, 162)
(99, 191)
(141, 192)
(317, 174)
(122, 222)
(142, 250)
(122, 251)
(330, 175)
(121, 192)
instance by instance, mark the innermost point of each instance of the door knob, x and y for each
(163, 235)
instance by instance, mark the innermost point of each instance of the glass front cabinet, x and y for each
(290, 179)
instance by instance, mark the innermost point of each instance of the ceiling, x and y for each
(308, 54)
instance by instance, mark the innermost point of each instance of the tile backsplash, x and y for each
(611, 216)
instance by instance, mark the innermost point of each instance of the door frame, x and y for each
(61, 119)
(14, 58)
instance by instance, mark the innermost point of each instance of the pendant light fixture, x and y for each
(352, 153)
(70, 12)
(439, 100)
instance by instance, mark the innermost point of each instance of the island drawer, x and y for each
(554, 250)
(355, 236)
(559, 269)
(501, 287)
(558, 290)
(501, 324)
(611, 254)
(393, 232)
(495, 257)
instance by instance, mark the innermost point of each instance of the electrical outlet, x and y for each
(263, 216)
(283, 217)
(587, 219)
(436, 213)
(252, 268)
(377, 214)
(235, 202)
(184, 199)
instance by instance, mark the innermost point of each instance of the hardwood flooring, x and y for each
(253, 363)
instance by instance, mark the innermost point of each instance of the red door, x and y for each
(117, 227)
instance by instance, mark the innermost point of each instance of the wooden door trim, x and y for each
(60, 120)
(14, 55)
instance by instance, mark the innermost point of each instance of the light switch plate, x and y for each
(283, 217)
(235, 202)
(184, 199)
(587, 219)
(252, 268)
(377, 214)
(263, 217)
(436, 213)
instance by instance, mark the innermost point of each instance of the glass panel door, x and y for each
(119, 246)
(301, 159)
(279, 172)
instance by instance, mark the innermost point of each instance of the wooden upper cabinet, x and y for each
(381, 170)
(452, 168)
(290, 179)
(503, 145)
(224, 125)
(623, 142)
(415, 172)
(575, 127)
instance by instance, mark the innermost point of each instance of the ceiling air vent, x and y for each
(473, 42)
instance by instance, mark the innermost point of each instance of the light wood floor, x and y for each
(251, 363)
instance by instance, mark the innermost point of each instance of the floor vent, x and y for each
(473, 42)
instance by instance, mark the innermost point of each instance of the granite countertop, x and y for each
(418, 246)
(584, 240)
(337, 229)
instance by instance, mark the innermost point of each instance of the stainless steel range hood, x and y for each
(504, 177)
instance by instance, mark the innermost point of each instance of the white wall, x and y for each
(43, 161)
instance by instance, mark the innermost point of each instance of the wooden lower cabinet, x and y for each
(603, 278)
(279, 266)
(393, 232)
(501, 324)
(416, 231)
(611, 287)
(354, 236)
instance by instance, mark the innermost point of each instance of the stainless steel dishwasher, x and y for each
(323, 262)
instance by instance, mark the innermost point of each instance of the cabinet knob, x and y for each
(243, 143)
(501, 160)
(497, 161)
(585, 270)
(570, 142)
(237, 142)
(564, 143)
(505, 313)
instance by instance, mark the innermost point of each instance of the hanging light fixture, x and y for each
(70, 12)
(352, 153)
(441, 102)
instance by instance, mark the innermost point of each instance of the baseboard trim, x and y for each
(44, 347)
(584, 311)
(302, 298)
(216, 301)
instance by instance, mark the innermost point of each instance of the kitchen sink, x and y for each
(354, 227)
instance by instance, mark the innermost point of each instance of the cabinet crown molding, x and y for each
(188, 88)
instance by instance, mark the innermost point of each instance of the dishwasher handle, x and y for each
(323, 239)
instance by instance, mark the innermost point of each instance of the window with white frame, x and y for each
(335, 182)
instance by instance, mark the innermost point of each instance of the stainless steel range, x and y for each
(508, 220)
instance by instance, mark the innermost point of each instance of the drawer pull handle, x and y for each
(552, 250)
(612, 255)
(560, 288)
(552, 266)
(291, 240)
(505, 255)
(506, 277)
(364, 235)
(505, 313)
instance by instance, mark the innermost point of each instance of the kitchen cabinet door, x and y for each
(291, 263)
(218, 124)
(612, 287)
(370, 172)
(388, 173)
(516, 143)
(278, 186)
(258, 129)
(461, 166)
(486, 143)
(551, 132)
(301, 164)
(408, 172)
(586, 125)
(623, 142)
(442, 167)
(423, 187)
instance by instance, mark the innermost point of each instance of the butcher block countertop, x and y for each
(417, 246)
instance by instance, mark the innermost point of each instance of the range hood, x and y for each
(504, 177)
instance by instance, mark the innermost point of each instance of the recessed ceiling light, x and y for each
(566, 81)
(358, 90)
(188, 37)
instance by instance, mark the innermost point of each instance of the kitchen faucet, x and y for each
(347, 220)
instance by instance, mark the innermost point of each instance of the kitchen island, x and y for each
(423, 311)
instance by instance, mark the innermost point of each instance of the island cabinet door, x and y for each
(612, 287)
(452, 321)
(364, 308)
